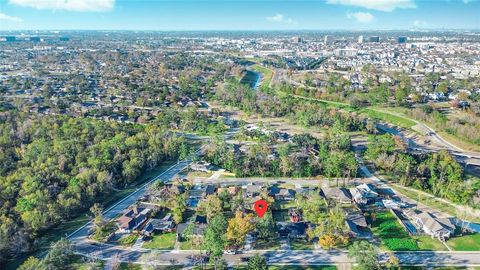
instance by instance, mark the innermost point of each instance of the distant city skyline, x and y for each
(239, 14)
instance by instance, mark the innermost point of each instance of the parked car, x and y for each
(230, 252)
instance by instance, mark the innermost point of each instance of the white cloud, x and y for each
(279, 18)
(361, 17)
(5, 17)
(420, 24)
(382, 5)
(71, 5)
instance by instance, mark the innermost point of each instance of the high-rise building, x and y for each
(374, 39)
(328, 40)
(64, 38)
(402, 39)
(10, 39)
(360, 39)
(296, 39)
(35, 39)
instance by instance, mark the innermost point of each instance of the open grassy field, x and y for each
(389, 118)
(469, 242)
(392, 234)
(425, 242)
(161, 241)
(266, 73)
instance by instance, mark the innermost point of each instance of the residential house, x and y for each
(357, 225)
(133, 219)
(364, 194)
(340, 195)
(153, 226)
(209, 190)
(201, 166)
(440, 228)
(198, 226)
(232, 190)
(282, 194)
(253, 190)
(292, 230)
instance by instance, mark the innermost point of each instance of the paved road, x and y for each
(293, 257)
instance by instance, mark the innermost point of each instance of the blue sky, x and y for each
(239, 14)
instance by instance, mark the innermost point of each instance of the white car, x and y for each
(230, 252)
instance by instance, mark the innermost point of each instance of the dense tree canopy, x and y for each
(53, 167)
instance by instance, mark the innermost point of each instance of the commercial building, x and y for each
(374, 39)
(402, 39)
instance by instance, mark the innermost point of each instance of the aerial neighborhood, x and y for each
(249, 150)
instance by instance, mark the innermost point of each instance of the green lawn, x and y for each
(266, 73)
(426, 242)
(272, 244)
(128, 240)
(465, 243)
(390, 118)
(392, 234)
(301, 244)
(161, 241)
(187, 245)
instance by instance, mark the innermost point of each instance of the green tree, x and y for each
(215, 239)
(59, 255)
(365, 255)
(31, 263)
(257, 262)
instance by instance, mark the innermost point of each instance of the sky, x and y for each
(239, 14)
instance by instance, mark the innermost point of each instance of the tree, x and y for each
(257, 262)
(238, 227)
(266, 226)
(214, 238)
(365, 255)
(211, 206)
(31, 263)
(392, 263)
(60, 254)
(179, 207)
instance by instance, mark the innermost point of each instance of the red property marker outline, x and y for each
(260, 207)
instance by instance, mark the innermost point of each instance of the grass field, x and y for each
(465, 243)
(300, 244)
(392, 234)
(273, 244)
(187, 245)
(425, 242)
(266, 73)
(161, 241)
(389, 118)
(128, 240)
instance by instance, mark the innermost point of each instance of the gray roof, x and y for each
(340, 194)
